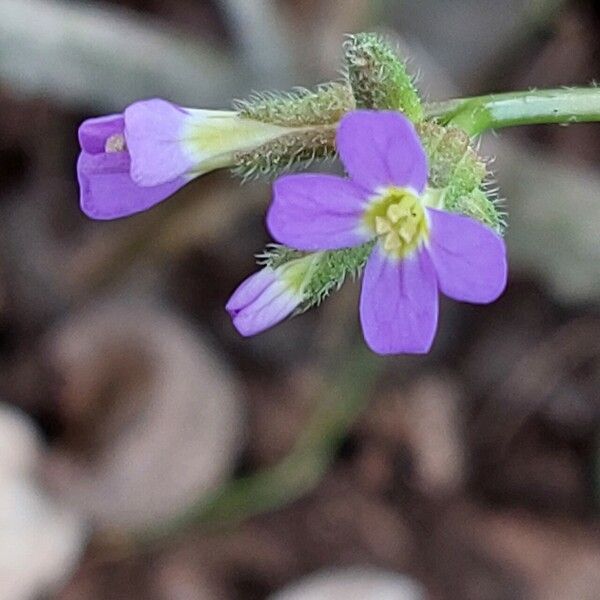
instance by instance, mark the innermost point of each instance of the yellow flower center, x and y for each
(398, 218)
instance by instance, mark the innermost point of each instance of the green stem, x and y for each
(494, 111)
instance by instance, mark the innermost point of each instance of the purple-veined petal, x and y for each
(261, 301)
(93, 133)
(153, 131)
(316, 212)
(107, 191)
(469, 258)
(381, 149)
(399, 303)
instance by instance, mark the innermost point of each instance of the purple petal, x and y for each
(249, 290)
(399, 303)
(316, 212)
(260, 302)
(93, 133)
(153, 131)
(107, 191)
(381, 149)
(469, 258)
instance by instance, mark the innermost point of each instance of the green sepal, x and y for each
(378, 77)
(458, 176)
(299, 148)
(309, 119)
(325, 105)
(328, 275)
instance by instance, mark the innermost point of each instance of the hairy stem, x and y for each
(478, 114)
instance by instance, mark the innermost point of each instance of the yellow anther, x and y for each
(392, 242)
(115, 143)
(398, 218)
(382, 225)
(395, 212)
(407, 231)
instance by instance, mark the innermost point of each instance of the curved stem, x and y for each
(494, 111)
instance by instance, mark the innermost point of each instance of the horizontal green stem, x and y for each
(494, 111)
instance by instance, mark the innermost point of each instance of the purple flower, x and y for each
(419, 249)
(107, 190)
(130, 162)
(269, 296)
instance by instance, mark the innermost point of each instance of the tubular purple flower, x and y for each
(130, 162)
(271, 295)
(419, 249)
(106, 188)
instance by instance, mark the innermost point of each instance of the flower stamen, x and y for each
(115, 143)
(398, 219)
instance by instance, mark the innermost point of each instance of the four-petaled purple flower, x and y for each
(419, 250)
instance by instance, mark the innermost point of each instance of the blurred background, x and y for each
(140, 436)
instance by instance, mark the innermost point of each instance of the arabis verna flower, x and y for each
(418, 249)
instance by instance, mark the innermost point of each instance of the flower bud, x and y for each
(271, 295)
(379, 78)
